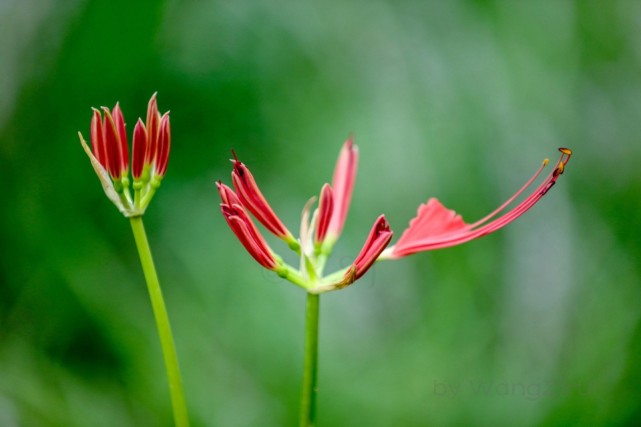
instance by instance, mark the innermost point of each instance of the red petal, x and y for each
(377, 240)
(139, 149)
(98, 138)
(112, 144)
(153, 119)
(343, 184)
(121, 130)
(325, 211)
(164, 144)
(433, 220)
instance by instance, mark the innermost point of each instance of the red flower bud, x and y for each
(164, 144)
(252, 198)
(139, 150)
(378, 239)
(248, 235)
(325, 211)
(109, 155)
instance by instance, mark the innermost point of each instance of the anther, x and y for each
(566, 151)
(560, 169)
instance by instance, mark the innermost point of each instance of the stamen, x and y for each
(511, 199)
(475, 231)
(566, 153)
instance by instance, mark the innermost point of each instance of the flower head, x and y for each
(318, 234)
(436, 227)
(109, 155)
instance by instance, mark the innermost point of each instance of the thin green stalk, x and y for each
(310, 366)
(181, 417)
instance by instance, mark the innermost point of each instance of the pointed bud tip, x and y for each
(239, 167)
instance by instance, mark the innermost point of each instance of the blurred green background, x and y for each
(538, 324)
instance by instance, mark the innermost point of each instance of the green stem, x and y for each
(310, 366)
(181, 417)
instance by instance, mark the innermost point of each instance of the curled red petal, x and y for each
(432, 220)
(377, 240)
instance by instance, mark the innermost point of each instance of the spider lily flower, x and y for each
(436, 227)
(109, 156)
(252, 198)
(317, 235)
